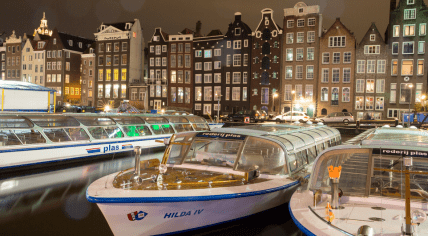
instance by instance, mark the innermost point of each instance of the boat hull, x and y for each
(174, 217)
(32, 156)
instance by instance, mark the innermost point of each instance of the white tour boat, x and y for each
(206, 178)
(375, 184)
(30, 139)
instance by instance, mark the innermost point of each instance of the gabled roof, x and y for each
(75, 42)
(119, 25)
(372, 30)
(340, 22)
(215, 32)
(187, 31)
(164, 35)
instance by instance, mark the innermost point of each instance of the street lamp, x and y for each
(218, 107)
(274, 96)
(410, 101)
(292, 96)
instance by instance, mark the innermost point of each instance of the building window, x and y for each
(418, 92)
(311, 36)
(237, 60)
(290, 37)
(337, 41)
(288, 72)
(361, 66)
(409, 30)
(409, 14)
(208, 66)
(290, 23)
(380, 86)
(370, 86)
(326, 58)
(299, 72)
(422, 29)
(125, 46)
(336, 57)
(300, 37)
(336, 75)
(208, 93)
(246, 43)
(207, 53)
(359, 103)
(371, 65)
(236, 78)
(236, 94)
(265, 96)
(289, 52)
(369, 103)
(393, 93)
(381, 66)
(237, 44)
(410, 2)
(245, 59)
(395, 48)
(372, 49)
(311, 54)
(346, 94)
(309, 72)
(311, 22)
(372, 37)
(421, 47)
(324, 94)
(420, 67)
(325, 74)
(299, 54)
(407, 67)
(300, 23)
(408, 48)
(208, 78)
(346, 75)
(405, 93)
(394, 67)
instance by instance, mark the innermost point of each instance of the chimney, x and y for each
(198, 27)
(393, 5)
(238, 16)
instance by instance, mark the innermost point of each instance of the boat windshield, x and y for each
(213, 152)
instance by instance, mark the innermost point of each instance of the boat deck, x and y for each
(356, 213)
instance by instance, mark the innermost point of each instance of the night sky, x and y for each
(83, 17)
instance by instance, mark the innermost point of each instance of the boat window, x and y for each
(178, 151)
(54, 121)
(354, 163)
(162, 129)
(177, 119)
(14, 122)
(183, 127)
(139, 130)
(156, 120)
(8, 138)
(95, 121)
(67, 134)
(267, 155)
(213, 152)
(320, 148)
(201, 126)
(392, 184)
(312, 154)
(292, 162)
(27, 136)
(128, 120)
(105, 132)
(196, 119)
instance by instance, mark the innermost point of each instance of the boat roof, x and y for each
(293, 136)
(410, 138)
(18, 85)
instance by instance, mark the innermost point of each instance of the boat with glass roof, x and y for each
(29, 140)
(374, 184)
(206, 178)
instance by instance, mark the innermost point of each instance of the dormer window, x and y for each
(238, 31)
(410, 2)
(372, 37)
(40, 44)
(54, 41)
(301, 10)
(266, 20)
(91, 50)
(70, 42)
(103, 27)
(128, 26)
(80, 44)
(155, 38)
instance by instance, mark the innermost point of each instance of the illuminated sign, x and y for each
(221, 135)
(400, 152)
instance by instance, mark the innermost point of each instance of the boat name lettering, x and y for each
(111, 148)
(137, 215)
(221, 135)
(184, 213)
(400, 152)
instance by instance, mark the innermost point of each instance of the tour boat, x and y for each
(375, 184)
(206, 178)
(27, 140)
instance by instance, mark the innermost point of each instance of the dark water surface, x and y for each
(54, 203)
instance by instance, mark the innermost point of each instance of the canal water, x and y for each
(53, 202)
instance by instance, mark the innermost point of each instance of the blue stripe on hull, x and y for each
(300, 226)
(185, 199)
